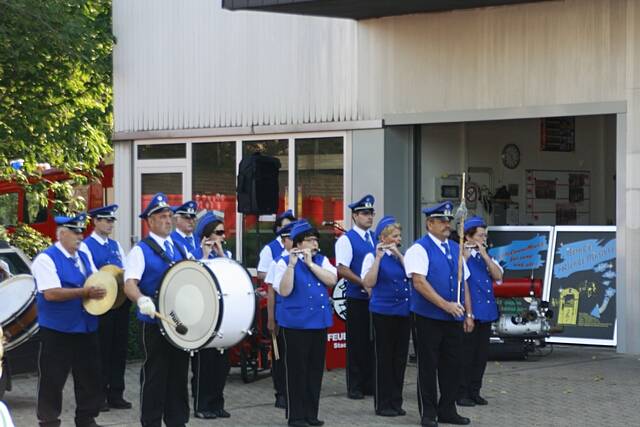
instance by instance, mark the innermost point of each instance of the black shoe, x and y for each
(465, 401)
(281, 401)
(221, 413)
(428, 422)
(206, 415)
(104, 406)
(298, 423)
(401, 412)
(119, 403)
(357, 395)
(315, 422)
(455, 419)
(479, 400)
(387, 412)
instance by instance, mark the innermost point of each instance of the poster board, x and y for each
(581, 287)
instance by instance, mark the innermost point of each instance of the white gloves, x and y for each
(146, 306)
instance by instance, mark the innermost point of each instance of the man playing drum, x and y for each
(69, 341)
(164, 373)
(113, 329)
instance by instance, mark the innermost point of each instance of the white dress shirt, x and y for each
(266, 257)
(416, 259)
(272, 269)
(281, 268)
(45, 273)
(344, 251)
(368, 261)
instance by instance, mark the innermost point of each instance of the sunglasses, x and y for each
(219, 232)
(311, 239)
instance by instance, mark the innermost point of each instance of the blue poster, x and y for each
(522, 254)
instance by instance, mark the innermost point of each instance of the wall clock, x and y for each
(511, 156)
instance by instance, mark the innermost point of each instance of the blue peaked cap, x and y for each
(188, 209)
(108, 212)
(442, 210)
(158, 203)
(74, 223)
(383, 223)
(301, 226)
(366, 203)
(474, 221)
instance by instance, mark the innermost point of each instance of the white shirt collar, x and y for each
(159, 240)
(98, 238)
(183, 234)
(279, 240)
(65, 252)
(438, 242)
(360, 231)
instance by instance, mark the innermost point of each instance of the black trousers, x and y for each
(474, 359)
(61, 353)
(210, 368)
(391, 340)
(164, 392)
(359, 347)
(277, 368)
(439, 348)
(114, 336)
(304, 364)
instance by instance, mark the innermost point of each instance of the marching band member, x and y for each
(210, 366)
(389, 305)
(113, 329)
(185, 218)
(351, 249)
(304, 314)
(273, 250)
(484, 270)
(164, 373)
(69, 341)
(432, 263)
(277, 366)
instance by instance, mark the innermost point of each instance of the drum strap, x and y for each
(161, 253)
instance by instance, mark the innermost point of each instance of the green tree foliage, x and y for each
(55, 90)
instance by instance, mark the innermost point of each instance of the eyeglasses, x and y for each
(219, 232)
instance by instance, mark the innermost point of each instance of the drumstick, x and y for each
(181, 329)
(275, 346)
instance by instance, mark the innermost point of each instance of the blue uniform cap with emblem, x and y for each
(364, 204)
(442, 210)
(157, 204)
(300, 227)
(74, 223)
(105, 212)
(286, 214)
(384, 223)
(285, 231)
(187, 209)
(474, 221)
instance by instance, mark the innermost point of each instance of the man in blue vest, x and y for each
(163, 378)
(69, 341)
(185, 218)
(432, 263)
(351, 248)
(113, 326)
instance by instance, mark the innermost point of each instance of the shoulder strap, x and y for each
(155, 247)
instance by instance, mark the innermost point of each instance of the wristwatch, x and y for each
(471, 316)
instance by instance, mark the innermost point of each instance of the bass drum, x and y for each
(18, 312)
(189, 295)
(238, 302)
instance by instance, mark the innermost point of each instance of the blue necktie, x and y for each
(447, 252)
(168, 249)
(190, 241)
(368, 238)
(76, 262)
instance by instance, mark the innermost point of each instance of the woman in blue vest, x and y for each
(302, 280)
(389, 304)
(210, 366)
(68, 334)
(484, 271)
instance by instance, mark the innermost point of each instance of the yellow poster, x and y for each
(569, 300)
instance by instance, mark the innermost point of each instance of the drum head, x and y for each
(189, 294)
(16, 294)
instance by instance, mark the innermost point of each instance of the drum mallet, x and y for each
(276, 353)
(180, 329)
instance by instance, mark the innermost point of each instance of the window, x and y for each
(33, 211)
(161, 151)
(256, 235)
(320, 185)
(152, 183)
(213, 182)
(9, 209)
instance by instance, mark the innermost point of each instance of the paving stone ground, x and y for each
(573, 386)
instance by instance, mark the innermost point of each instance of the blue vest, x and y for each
(214, 254)
(391, 294)
(276, 249)
(184, 243)
(443, 277)
(154, 269)
(66, 316)
(360, 248)
(480, 282)
(104, 254)
(308, 305)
